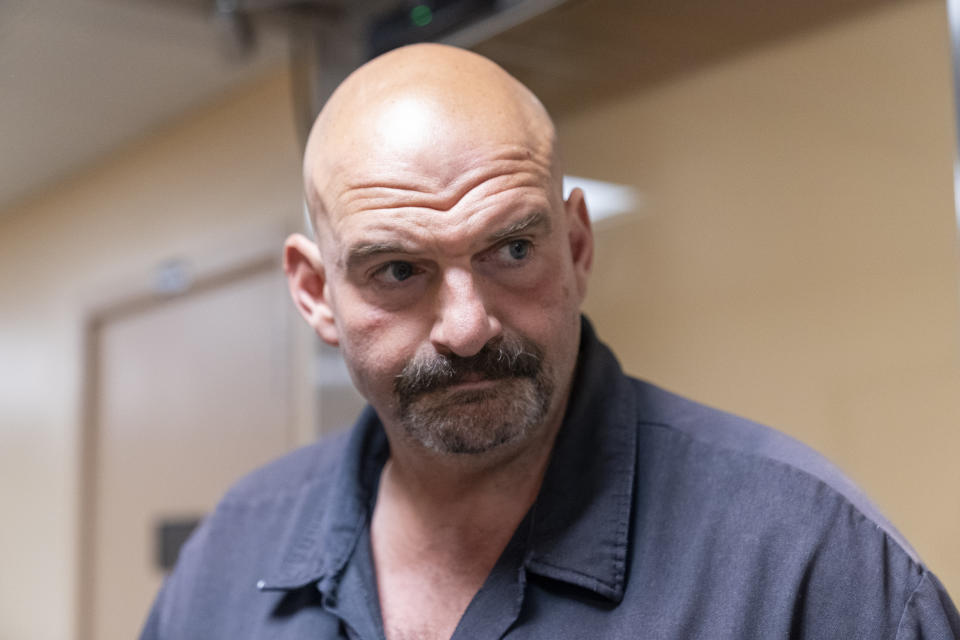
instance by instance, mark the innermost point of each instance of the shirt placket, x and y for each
(496, 607)
(353, 598)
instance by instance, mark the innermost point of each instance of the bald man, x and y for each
(508, 480)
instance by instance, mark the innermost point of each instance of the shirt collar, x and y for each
(579, 524)
(581, 519)
(328, 523)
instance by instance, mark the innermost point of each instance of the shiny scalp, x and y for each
(413, 99)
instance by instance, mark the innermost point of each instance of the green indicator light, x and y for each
(421, 15)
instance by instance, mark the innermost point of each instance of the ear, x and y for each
(308, 286)
(581, 238)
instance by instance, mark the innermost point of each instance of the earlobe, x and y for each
(308, 286)
(581, 238)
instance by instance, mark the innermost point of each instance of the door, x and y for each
(189, 392)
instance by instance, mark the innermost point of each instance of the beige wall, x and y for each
(795, 260)
(221, 182)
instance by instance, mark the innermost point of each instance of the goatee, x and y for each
(474, 421)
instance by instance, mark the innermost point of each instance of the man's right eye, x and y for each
(394, 272)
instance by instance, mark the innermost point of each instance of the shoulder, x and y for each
(758, 451)
(288, 476)
(266, 504)
(757, 515)
(212, 589)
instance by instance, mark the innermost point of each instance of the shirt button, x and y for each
(261, 584)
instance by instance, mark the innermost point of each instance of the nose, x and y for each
(463, 322)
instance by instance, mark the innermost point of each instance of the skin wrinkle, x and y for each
(531, 221)
(395, 198)
(520, 124)
(413, 216)
(432, 231)
(471, 184)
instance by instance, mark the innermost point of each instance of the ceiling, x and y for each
(79, 78)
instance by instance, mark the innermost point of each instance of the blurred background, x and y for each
(779, 240)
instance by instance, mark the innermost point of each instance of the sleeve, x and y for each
(929, 613)
(167, 613)
(151, 629)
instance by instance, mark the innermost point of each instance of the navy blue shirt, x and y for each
(657, 518)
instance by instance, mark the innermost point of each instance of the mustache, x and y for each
(505, 357)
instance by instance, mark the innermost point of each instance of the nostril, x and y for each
(463, 338)
(464, 324)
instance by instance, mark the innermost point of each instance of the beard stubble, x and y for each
(474, 421)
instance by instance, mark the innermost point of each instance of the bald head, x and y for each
(420, 114)
(442, 230)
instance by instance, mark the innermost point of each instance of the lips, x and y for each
(473, 382)
(466, 383)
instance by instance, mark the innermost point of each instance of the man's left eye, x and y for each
(395, 272)
(516, 249)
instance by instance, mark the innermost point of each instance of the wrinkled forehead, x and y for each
(418, 150)
(465, 201)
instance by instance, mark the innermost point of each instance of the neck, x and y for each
(441, 522)
(449, 488)
(458, 506)
(439, 527)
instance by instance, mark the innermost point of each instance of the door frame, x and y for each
(144, 299)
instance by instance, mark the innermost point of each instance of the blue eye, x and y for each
(399, 271)
(393, 273)
(518, 249)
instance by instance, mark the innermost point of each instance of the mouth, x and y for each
(472, 382)
(471, 387)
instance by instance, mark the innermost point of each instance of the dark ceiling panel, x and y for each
(590, 50)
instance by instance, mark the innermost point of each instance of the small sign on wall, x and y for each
(169, 535)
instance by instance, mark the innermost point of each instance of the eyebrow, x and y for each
(360, 253)
(363, 252)
(528, 222)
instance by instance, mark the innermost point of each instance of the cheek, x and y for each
(553, 289)
(549, 312)
(544, 311)
(375, 344)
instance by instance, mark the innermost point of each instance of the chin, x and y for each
(474, 422)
